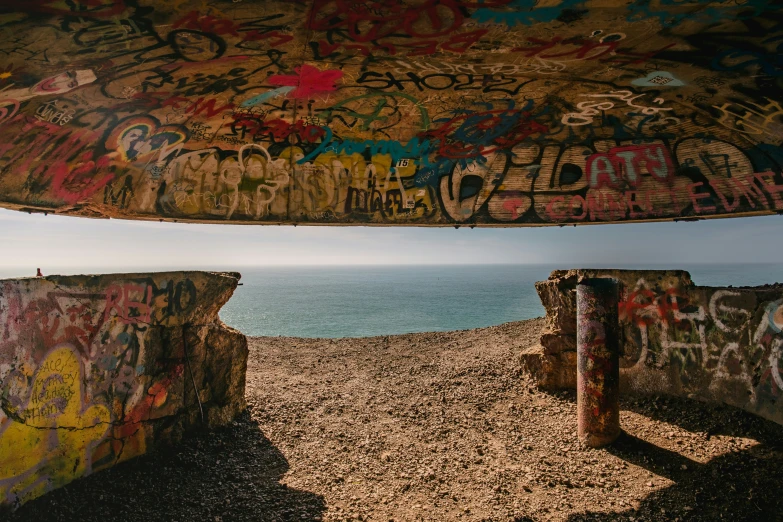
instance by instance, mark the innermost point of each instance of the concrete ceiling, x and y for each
(423, 112)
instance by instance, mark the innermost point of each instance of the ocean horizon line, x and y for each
(565, 266)
(366, 300)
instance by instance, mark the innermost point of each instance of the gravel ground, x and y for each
(435, 426)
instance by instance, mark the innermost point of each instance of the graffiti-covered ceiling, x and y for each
(422, 112)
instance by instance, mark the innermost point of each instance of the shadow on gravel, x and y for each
(743, 485)
(230, 474)
(707, 418)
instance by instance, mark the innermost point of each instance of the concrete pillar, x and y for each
(598, 361)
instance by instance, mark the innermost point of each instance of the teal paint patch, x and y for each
(261, 98)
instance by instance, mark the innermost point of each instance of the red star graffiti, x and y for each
(307, 81)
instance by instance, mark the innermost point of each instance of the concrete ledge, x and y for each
(716, 344)
(95, 370)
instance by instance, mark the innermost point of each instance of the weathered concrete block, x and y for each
(554, 343)
(550, 371)
(717, 344)
(95, 370)
(559, 296)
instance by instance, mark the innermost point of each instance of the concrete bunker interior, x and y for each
(345, 112)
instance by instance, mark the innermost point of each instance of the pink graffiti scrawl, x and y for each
(307, 81)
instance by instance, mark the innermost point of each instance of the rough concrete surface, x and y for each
(95, 370)
(394, 112)
(441, 427)
(721, 344)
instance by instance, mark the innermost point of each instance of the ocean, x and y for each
(359, 301)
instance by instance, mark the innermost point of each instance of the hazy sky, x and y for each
(67, 245)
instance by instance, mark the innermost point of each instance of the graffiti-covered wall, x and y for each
(95, 370)
(718, 344)
(423, 112)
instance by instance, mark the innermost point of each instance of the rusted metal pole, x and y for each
(598, 361)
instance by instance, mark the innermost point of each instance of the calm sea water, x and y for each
(360, 301)
(379, 300)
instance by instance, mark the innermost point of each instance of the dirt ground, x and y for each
(435, 426)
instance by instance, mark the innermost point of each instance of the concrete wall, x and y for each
(717, 344)
(417, 112)
(95, 370)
